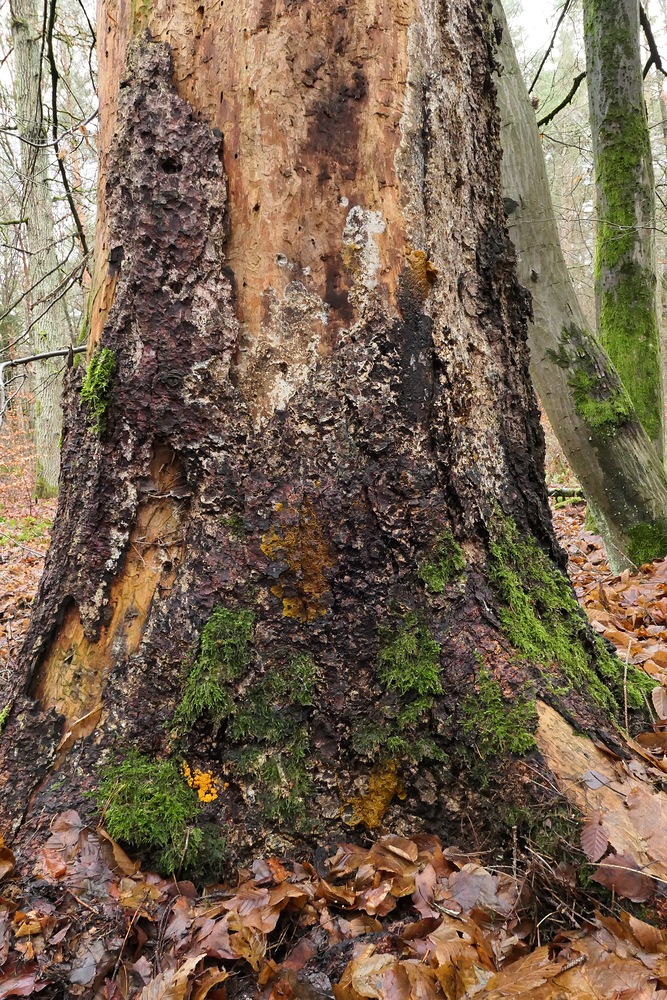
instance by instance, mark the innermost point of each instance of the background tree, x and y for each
(303, 539)
(589, 409)
(625, 247)
(49, 109)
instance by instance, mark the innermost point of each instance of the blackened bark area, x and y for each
(317, 522)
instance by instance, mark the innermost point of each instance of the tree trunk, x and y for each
(625, 241)
(304, 552)
(588, 408)
(46, 311)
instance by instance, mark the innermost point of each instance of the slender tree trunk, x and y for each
(46, 311)
(303, 543)
(589, 410)
(625, 243)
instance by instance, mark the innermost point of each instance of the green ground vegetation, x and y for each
(23, 529)
(147, 805)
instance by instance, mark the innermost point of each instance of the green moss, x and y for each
(408, 668)
(543, 621)
(4, 715)
(207, 864)
(446, 563)
(599, 396)
(647, 542)
(296, 683)
(624, 273)
(148, 806)
(96, 387)
(391, 739)
(273, 742)
(282, 783)
(43, 490)
(235, 526)
(496, 725)
(409, 661)
(629, 331)
(590, 524)
(601, 413)
(223, 655)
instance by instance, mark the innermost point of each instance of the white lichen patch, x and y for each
(361, 253)
(282, 357)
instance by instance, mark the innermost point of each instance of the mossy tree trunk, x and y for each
(303, 574)
(589, 409)
(625, 243)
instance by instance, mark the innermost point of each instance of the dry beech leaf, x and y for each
(623, 875)
(173, 984)
(659, 698)
(209, 979)
(7, 859)
(594, 838)
(125, 863)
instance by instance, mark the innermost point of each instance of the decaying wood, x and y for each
(321, 365)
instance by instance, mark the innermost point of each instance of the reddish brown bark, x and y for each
(321, 366)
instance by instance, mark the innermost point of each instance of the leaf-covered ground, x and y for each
(392, 920)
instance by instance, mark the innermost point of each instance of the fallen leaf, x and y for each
(173, 984)
(623, 875)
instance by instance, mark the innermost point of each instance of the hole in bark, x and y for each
(170, 166)
(256, 208)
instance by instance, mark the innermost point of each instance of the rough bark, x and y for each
(317, 471)
(590, 411)
(625, 240)
(45, 308)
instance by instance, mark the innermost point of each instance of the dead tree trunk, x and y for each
(303, 553)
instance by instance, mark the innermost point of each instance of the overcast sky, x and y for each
(538, 19)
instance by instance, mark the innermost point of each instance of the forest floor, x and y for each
(392, 920)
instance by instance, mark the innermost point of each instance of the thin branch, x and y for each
(64, 353)
(54, 127)
(576, 83)
(566, 7)
(655, 58)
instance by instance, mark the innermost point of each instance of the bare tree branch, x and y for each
(576, 83)
(54, 127)
(566, 7)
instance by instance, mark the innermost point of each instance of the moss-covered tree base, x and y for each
(296, 591)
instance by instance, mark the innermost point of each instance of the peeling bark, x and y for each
(313, 401)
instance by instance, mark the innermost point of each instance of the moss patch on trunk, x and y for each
(224, 653)
(543, 621)
(148, 805)
(496, 725)
(96, 387)
(444, 564)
